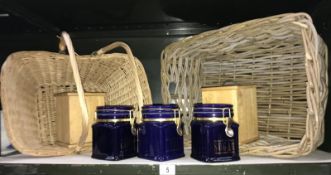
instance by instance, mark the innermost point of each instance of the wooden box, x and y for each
(69, 117)
(243, 99)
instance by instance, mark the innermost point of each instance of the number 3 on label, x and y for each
(166, 169)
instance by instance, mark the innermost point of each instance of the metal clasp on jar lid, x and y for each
(177, 119)
(131, 119)
(227, 120)
(228, 130)
(132, 122)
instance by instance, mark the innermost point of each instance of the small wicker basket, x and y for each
(30, 80)
(282, 55)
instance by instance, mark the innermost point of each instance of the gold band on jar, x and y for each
(114, 120)
(211, 119)
(159, 120)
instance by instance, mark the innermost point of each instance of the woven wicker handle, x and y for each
(80, 90)
(139, 90)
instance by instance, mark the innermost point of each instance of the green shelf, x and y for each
(317, 163)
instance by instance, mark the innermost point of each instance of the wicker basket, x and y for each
(30, 79)
(282, 55)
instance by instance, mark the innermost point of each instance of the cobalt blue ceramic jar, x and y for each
(113, 133)
(214, 133)
(160, 133)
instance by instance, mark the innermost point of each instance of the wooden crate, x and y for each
(69, 117)
(243, 99)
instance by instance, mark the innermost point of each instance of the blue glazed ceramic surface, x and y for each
(160, 111)
(210, 142)
(113, 140)
(158, 140)
(113, 112)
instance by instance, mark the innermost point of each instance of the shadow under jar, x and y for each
(214, 133)
(113, 133)
(160, 133)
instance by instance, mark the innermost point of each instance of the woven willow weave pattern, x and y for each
(282, 55)
(30, 79)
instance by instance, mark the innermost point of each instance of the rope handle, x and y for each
(108, 48)
(80, 90)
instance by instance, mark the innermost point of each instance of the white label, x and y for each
(167, 169)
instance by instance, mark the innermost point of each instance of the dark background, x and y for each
(146, 25)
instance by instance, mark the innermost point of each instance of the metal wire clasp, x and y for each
(178, 121)
(228, 130)
(132, 122)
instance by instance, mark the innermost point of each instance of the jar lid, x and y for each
(213, 110)
(113, 111)
(160, 111)
(114, 107)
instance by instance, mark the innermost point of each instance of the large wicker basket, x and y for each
(282, 55)
(30, 79)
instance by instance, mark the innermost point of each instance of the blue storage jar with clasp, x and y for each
(160, 135)
(214, 133)
(113, 133)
